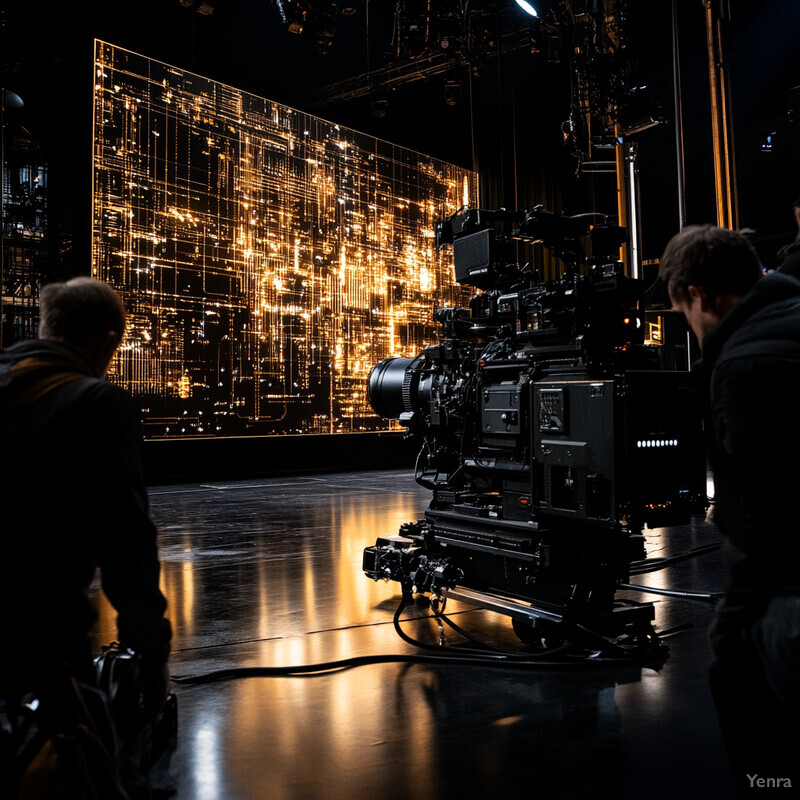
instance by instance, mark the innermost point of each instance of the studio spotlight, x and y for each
(527, 7)
(297, 21)
(11, 99)
(638, 111)
(380, 107)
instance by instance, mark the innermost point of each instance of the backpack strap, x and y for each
(35, 377)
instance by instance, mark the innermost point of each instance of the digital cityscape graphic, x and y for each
(268, 259)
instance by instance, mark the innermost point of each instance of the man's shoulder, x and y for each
(770, 336)
(771, 323)
(88, 402)
(776, 287)
(100, 393)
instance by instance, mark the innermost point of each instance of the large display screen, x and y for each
(267, 258)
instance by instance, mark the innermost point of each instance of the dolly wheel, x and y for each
(546, 637)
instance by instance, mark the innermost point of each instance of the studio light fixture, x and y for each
(11, 99)
(527, 7)
(380, 107)
(638, 111)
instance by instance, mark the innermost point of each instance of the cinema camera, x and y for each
(549, 434)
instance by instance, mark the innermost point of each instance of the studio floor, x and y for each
(267, 573)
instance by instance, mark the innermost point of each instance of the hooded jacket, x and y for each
(751, 365)
(73, 500)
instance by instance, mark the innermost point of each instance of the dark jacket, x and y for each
(73, 499)
(789, 260)
(751, 364)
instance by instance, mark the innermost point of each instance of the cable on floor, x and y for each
(460, 656)
(490, 654)
(711, 596)
(655, 564)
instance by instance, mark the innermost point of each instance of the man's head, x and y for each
(86, 314)
(707, 271)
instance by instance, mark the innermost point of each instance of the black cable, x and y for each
(467, 652)
(672, 592)
(489, 654)
(655, 564)
(337, 666)
(462, 657)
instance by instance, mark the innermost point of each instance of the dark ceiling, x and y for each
(478, 83)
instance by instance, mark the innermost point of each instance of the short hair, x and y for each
(78, 309)
(721, 260)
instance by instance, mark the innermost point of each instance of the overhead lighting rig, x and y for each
(445, 40)
(318, 18)
(452, 39)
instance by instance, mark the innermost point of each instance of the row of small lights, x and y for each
(657, 443)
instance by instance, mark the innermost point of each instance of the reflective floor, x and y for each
(268, 573)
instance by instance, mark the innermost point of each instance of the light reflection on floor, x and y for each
(268, 573)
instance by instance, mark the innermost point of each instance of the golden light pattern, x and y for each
(268, 258)
(655, 331)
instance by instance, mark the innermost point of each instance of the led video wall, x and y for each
(268, 259)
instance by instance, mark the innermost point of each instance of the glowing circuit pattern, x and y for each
(268, 258)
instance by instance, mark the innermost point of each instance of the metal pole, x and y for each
(634, 226)
(722, 132)
(679, 153)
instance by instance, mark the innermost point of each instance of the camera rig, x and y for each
(549, 434)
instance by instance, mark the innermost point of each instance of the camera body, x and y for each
(549, 435)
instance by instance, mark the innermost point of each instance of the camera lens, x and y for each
(385, 387)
